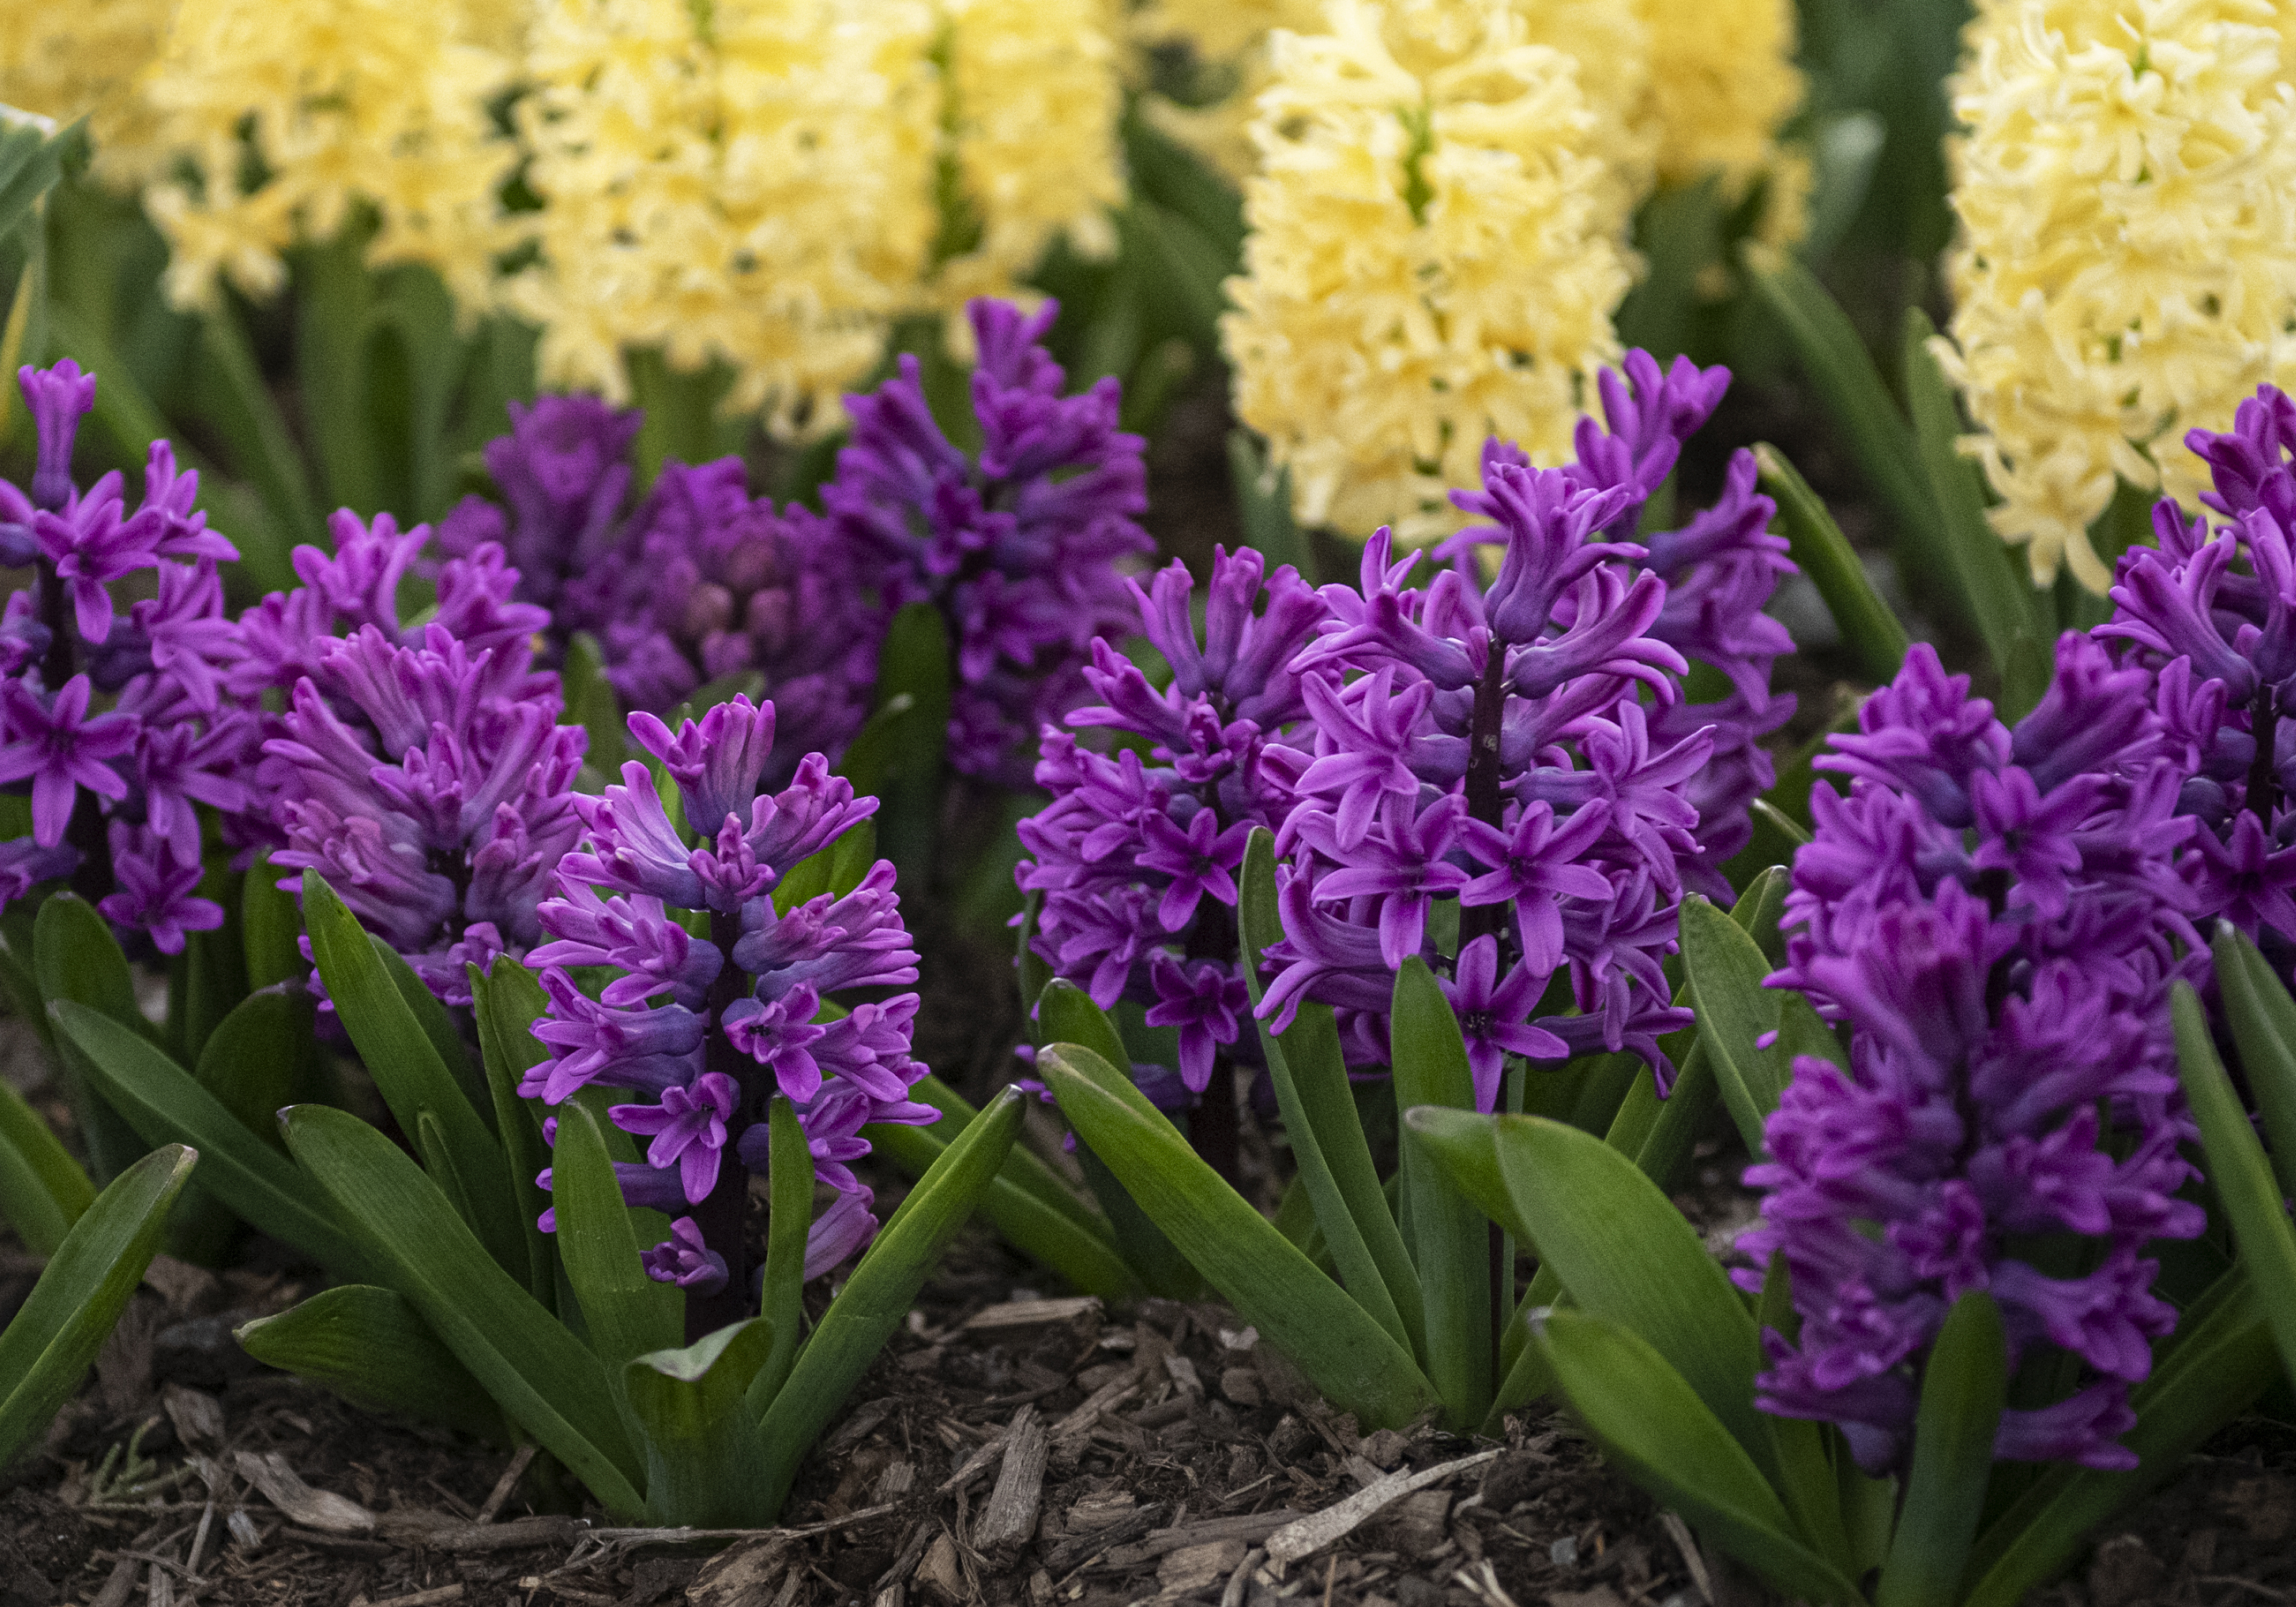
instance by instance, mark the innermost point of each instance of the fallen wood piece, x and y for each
(1248, 1527)
(1031, 1313)
(984, 1457)
(284, 1488)
(430, 1531)
(1311, 1534)
(508, 1482)
(1077, 1549)
(432, 1598)
(1010, 1517)
(1111, 1395)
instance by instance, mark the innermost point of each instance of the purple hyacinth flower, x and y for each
(156, 890)
(688, 1129)
(684, 1258)
(55, 397)
(57, 747)
(1203, 998)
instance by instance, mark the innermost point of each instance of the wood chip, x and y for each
(939, 1572)
(1240, 1385)
(1247, 1527)
(741, 1573)
(1010, 1517)
(1032, 1314)
(1194, 1568)
(1310, 1535)
(508, 1482)
(1077, 1550)
(1239, 1581)
(1677, 1531)
(1089, 1515)
(284, 1488)
(432, 1598)
(197, 1416)
(1111, 1395)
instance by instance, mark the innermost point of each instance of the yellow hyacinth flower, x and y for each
(748, 182)
(65, 61)
(374, 102)
(2126, 270)
(1031, 99)
(1728, 83)
(1429, 263)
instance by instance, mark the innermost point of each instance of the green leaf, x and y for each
(505, 1002)
(1999, 598)
(43, 1191)
(1449, 1239)
(591, 704)
(2237, 1169)
(76, 958)
(1964, 1385)
(1825, 556)
(870, 756)
(1663, 1436)
(53, 1340)
(1065, 1013)
(1323, 1331)
(626, 1313)
(1618, 1244)
(543, 1377)
(1725, 968)
(257, 1060)
(239, 408)
(1318, 1106)
(1851, 392)
(2263, 1020)
(372, 1348)
(915, 662)
(1263, 497)
(166, 1104)
(1030, 966)
(271, 922)
(2219, 1361)
(789, 1220)
(703, 1454)
(438, 1027)
(837, 869)
(402, 1056)
(876, 1298)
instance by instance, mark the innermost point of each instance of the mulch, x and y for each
(1010, 1448)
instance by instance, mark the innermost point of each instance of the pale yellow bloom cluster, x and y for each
(1032, 101)
(66, 59)
(2126, 270)
(288, 121)
(1726, 82)
(1230, 37)
(743, 183)
(1429, 264)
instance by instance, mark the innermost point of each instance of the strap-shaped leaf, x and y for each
(2263, 1020)
(1651, 1423)
(536, 1371)
(591, 704)
(869, 757)
(1725, 968)
(1065, 1013)
(256, 1060)
(445, 1039)
(53, 1340)
(626, 1313)
(789, 1177)
(42, 1189)
(270, 924)
(1320, 1119)
(403, 1059)
(2243, 1179)
(372, 1348)
(76, 958)
(1449, 1237)
(1964, 1385)
(1619, 1245)
(505, 1002)
(166, 1104)
(915, 660)
(2220, 1359)
(704, 1456)
(1318, 1327)
(1825, 556)
(876, 1298)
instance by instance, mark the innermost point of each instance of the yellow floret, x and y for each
(2125, 269)
(1429, 264)
(745, 184)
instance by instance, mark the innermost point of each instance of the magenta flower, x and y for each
(688, 1128)
(57, 747)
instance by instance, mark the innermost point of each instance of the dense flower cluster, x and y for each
(1434, 259)
(1996, 915)
(2127, 266)
(67, 61)
(707, 1021)
(699, 581)
(2211, 613)
(747, 183)
(1409, 745)
(267, 136)
(1718, 111)
(419, 769)
(1134, 860)
(114, 791)
(1018, 546)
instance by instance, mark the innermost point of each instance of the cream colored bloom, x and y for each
(748, 184)
(288, 119)
(1032, 99)
(69, 58)
(1429, 264)
(1725, 82)
(2126, 270)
